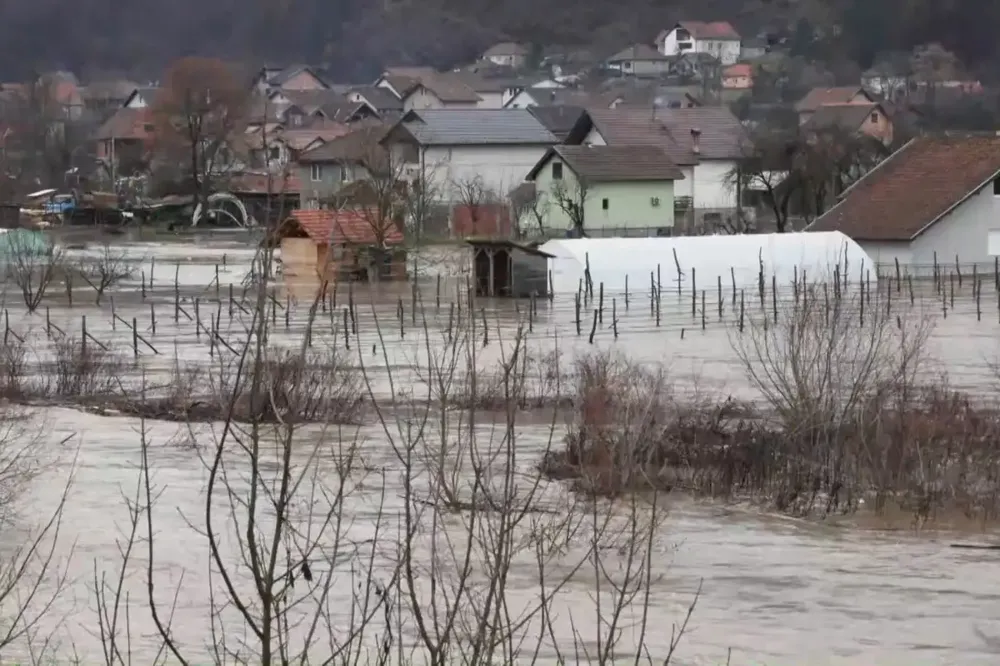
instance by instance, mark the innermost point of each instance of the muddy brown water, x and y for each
(775, 591)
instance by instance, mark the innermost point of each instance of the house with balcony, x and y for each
(717, 38)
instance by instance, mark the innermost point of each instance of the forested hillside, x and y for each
(354, 38)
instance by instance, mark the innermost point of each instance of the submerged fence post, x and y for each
(694, 293)
(600, 305)
(614, 316)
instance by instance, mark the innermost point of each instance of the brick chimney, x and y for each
(696, 141)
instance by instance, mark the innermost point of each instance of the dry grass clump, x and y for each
(282, 386)
(535, 383)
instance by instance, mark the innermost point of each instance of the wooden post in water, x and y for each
(979, 290)
(217, 284)
(652, 295)
(680, 275)
(774, 296)
(152, 267)
(486, 328)
(937, 275)
(400, 314)
(720, 297)
(600, 304)
(197, 318)
(135, 337)
(83, 335)
(230, 300)
(732, 276)
(347, 331)
(152, 317)
(143, 284)
(48, 323)
(898, 277)
(614, 316)
(288, 310)
(593, 326)
(909, 284)
(576, 310)
(532, 305)
(437, 294)
(958, 269)
(451, 319)
(951, 286)
(626, 292)
(742, 298)
(69, 287)
(552, 291)
(703, 309)
(694, 293)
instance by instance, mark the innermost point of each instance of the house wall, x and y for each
(878, 125)
(706, 183)
(631, 205)
(332, 177)
(489, 100)
(299, 256)
(523, 100)
(508, 60)
(530, 274)
(422, 98)
(500, 168)
(886, 253)
(726, 50)
(964, 233)
(642, 67)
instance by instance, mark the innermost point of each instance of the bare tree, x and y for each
(32, 264)
(201, 107)
(571, 199)
(480, 208)
(528, 208)
(106, 270)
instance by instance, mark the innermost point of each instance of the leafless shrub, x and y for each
(13, 368)
(32, 265)
(84, 372)
(108, 269)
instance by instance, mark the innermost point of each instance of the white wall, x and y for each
(726, 50)
(521, 100)
(488, 100)
(501, 168)
(669, 45)
(712, 188)
(965, 232)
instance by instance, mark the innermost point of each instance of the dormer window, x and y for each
(557, 171)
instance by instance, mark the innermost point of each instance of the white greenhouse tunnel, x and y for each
(728, 257)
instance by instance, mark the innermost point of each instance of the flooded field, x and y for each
(774, 591)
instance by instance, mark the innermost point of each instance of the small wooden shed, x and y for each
(349, 244)
(505, 268)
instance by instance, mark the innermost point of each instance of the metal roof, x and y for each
(446, 127)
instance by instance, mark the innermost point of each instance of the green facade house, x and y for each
(606, 190)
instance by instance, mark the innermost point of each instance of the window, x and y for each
(654, 202)
(996, 187)
(874, 116)
(275, 152)
(604, 204)
(316, 173)
(557, 171)
(345, 174)
(148, 127)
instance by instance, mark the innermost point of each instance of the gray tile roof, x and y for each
(449, 127)
(606, 164)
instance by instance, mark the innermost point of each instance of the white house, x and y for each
(705, 142)
(718, 39)
(141, 97)
(426, 88)
(936, 196)
(509, 54)
(454, 149)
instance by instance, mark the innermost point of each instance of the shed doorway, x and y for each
(492, 271)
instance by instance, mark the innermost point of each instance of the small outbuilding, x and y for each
(505, 268)
(736, 259)
(351, 244)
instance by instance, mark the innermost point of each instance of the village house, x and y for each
(706, 143)
(530, 97)
(938, 196)
(818, 97)
(510, 54)
(718, 39)
(123, 141)
(426, 88)
(341, 245)
(639, 60)
(293, 77)
(606, 190)
(450, 149)
(868, 119)
(141, 97)
(351, 158)
(298, 107)
(384, 102)
(285, 143)
(101, 97)
(737, 77)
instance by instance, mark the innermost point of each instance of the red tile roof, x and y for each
(739, 69)
(914, 188)
(710, 30)
(347, 227)
(818, 97)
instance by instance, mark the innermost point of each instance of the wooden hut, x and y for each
(505, 268)
(349, 244)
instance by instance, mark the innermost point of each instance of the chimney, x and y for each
(695, 140)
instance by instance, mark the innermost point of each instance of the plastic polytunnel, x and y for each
(737, 257)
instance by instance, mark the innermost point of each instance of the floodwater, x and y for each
(774, 591)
